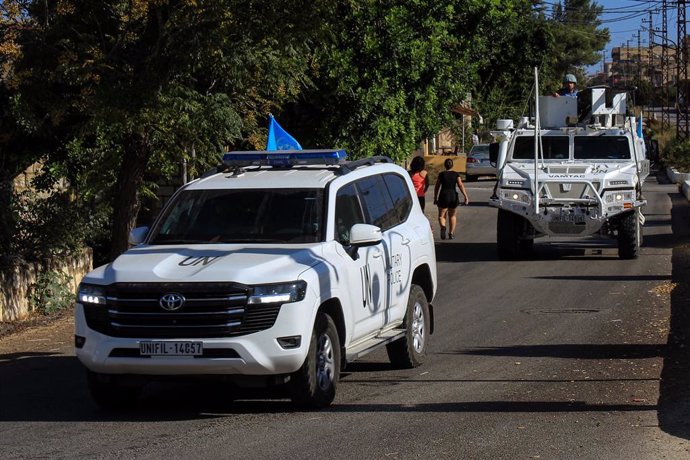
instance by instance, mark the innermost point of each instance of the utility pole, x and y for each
(650, 62)
(665, 75)
(682, 124)
(650, 41)
(627, 62)
(639, 57)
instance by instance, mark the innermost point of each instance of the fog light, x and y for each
(293, 341)
(79, 341)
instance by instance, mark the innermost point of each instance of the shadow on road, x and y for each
(579, 351)
(43, 388)
(674, 391)
(494, 406)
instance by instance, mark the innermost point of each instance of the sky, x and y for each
(626, 18)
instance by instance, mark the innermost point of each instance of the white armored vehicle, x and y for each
(564, 175)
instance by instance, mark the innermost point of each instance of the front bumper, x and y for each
(257, 354)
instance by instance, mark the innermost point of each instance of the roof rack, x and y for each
(350, 166)
(284, 158)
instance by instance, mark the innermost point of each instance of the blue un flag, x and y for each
(278, 138)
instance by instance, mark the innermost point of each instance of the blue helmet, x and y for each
(569, 78)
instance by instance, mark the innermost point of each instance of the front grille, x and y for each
(210, 310)
(566, 190)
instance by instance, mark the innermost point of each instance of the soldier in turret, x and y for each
(569, 88)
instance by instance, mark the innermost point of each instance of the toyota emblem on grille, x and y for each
(171, 302)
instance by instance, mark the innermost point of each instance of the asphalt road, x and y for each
(571, 354)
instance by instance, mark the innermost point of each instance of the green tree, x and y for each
(517, 38)
(389, 76)
(578, 35)
(144, 84)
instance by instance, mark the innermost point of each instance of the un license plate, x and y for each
(159, 348)
(572, 218)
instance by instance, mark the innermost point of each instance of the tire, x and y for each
(526, 246)
(313, 385)
(410, 351)
(109, 394)
(629, 236)
(470, 178)
(508, 231)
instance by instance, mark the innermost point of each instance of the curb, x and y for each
(680, 178)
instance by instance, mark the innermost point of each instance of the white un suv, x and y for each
(276, 270)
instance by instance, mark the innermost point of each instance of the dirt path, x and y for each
(53, 334)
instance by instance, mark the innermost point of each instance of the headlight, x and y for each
(278, 293)
(617, 196)
(91, 294)
(521, 196)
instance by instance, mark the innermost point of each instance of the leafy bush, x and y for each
(51, 224)
(677, 154)
(51, 293)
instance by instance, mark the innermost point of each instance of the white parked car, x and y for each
(277, 270)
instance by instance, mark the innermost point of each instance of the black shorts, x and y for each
(448, 200)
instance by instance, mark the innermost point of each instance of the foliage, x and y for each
(163, 80)
(577, 35)
(528, 37)
(389, 76)
(676, 153)
(51, 292)
(108, 94)
(517, 39)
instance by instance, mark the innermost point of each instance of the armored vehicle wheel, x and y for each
(410, 351)
(508, 230)
(110, 394)
(313, 385)
(629, 236)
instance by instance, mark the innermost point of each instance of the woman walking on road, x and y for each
(420, 179)
(447, 199)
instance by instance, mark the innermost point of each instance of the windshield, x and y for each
(602, 148)
(479, 150)
(555, 148)
(242, 216)
(585, 148)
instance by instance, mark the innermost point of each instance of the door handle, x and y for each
(376, 255)
(406, 241)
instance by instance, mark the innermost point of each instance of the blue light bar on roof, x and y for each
(284, 158)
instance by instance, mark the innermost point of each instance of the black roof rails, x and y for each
(352, 165)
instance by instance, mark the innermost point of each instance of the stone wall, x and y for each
(16, 282)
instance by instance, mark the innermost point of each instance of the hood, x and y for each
(208, 263)
(594, 172)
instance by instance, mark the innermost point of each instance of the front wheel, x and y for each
(110, 394)
(410, 351)
(313, 385)
(508, 232)
(629, 236)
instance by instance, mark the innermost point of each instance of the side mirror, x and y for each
(365, 235)
(493, 153)
(137, 235)
(362, 235)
